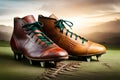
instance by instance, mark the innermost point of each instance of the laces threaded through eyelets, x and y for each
(60, 24)
(37, 26)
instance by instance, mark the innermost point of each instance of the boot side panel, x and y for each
(18, 35)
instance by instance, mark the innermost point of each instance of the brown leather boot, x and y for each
(74, 44)
(28, 40)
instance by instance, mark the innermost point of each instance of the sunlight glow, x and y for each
(82, 22)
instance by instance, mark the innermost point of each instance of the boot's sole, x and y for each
(19, 56)
(88, 57)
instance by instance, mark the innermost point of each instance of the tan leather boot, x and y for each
(74, 44)
(28, 40)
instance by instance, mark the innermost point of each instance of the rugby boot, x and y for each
(29, 41)
(74, 44)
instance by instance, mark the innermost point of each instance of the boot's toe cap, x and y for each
(55, 53)
(58, 52)
(96, 49)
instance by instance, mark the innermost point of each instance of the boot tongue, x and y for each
(29, 19)
(53, 16)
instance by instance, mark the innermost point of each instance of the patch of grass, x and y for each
(106, 68)
(4, 43)
(11, 69)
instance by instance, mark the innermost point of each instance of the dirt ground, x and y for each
(108, 68)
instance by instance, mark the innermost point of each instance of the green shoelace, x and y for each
(37, 26)
(60, 24)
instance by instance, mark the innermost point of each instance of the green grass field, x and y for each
(108, 68)
(11, 69)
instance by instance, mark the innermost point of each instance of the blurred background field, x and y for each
(107, 68)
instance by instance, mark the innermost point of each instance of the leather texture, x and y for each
(22, 43)
(72, 46)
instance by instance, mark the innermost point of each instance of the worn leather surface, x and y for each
(74, 47)
(23, 43)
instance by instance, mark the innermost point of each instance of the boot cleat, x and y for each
(98, 56)
(89, 58)
(17, 56)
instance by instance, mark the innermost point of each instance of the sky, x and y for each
(82, 13)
